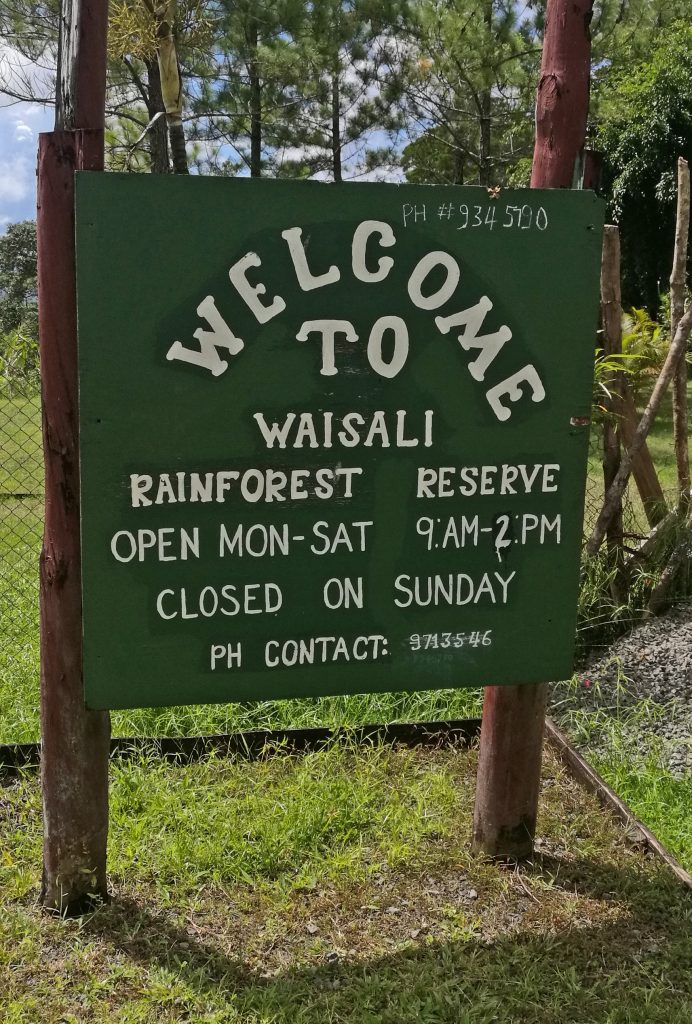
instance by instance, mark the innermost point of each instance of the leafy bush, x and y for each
(645, 344)
(646, 125)
(18, 360)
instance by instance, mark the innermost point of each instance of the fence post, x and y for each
(678, 279)
(509, 765)
(643, 468)
(611, 323)
(75, 741)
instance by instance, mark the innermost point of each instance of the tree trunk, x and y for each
(336, 123)
(562, 100)
(176, 133)
(485, 162)
(158, 134)
(678, 282)
(509, 764)
(486, 106)
(74, 740)
(255, 103)
(171, 88)
(457, 167)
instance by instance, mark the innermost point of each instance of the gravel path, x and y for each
(647, 673)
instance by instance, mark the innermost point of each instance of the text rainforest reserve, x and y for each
(220, 336)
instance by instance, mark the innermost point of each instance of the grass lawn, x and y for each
(623, 746)
(338, 887)
(653, 793)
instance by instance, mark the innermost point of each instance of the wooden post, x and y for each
(643, 468)
(511, 744)
(75, 741)
(611, 322)
(562, 98)
(678, 346)
(678, 289)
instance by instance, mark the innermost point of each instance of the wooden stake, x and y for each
(678, 288)
(611, 320)
(677, 346)
(643, 468)
(509, 766)
(75, 741)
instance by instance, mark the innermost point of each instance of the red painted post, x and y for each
(75, 741)
(562, 97)
(511, 744)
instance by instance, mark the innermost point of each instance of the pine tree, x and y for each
(472, 74)
(252, 95)
(352, 88)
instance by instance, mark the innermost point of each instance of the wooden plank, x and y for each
(678, 295)
(258, 743)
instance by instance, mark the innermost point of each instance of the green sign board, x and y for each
(333, 437)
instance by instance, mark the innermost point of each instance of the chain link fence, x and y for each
(603, 613)
(21, 524)
(634, 521)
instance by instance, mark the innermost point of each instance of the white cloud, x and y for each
(33, 112)
(16, 178)
(20, 122)
(22, 132)
(23, 77)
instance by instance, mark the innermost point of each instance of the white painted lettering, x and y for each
(306, 279)
(511, 389)
(421, 271)
(274, 432)
(220, 336)
(361, 236)
(329, 330)
(249, 293)
(488, 344)
(140, 483)
(400, 350)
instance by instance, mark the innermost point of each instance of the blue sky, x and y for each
(20, 124)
